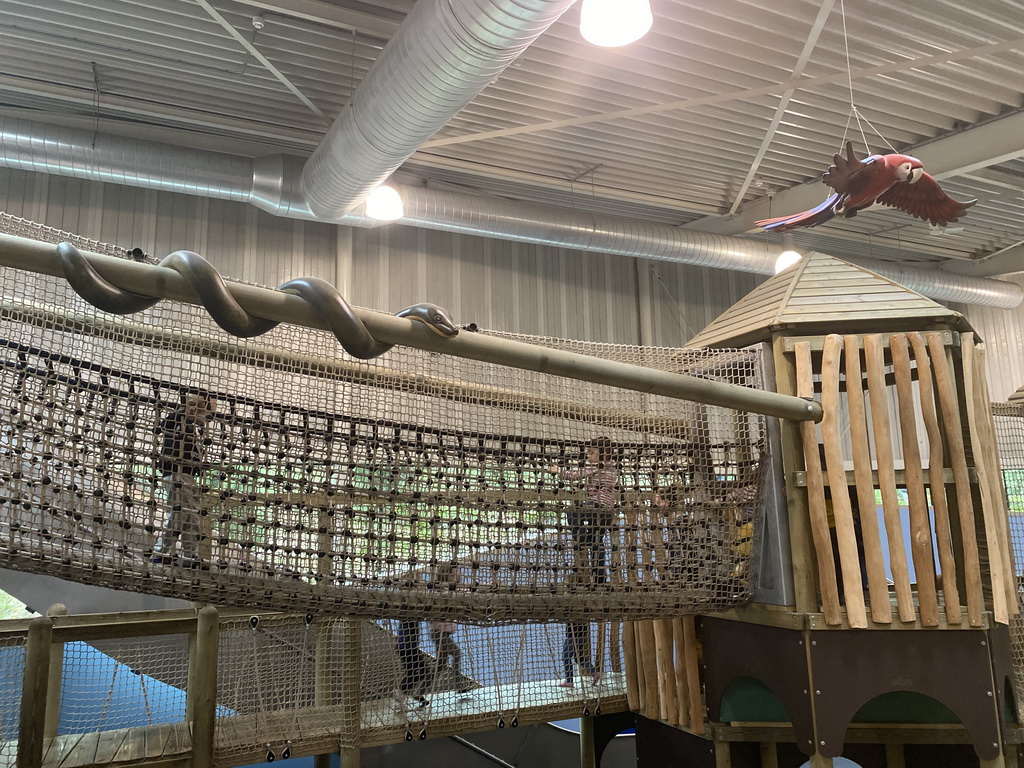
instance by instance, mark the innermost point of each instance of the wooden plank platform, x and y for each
(166, 744)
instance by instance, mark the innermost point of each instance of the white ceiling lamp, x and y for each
(611, 23)
(789, 255)
(384, 204)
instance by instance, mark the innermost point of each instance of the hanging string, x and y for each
(854, 112)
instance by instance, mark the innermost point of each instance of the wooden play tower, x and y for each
(885, 580)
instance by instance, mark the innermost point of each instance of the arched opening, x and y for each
(904, 707)
(747, 699)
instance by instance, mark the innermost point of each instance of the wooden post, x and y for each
(55, 677)
(588, 752)
(805, 590)
(989, 486)
(769, 754)
(874, 359)
(203, 678)
(920, 525)
(32, 721)
(846, 537)
(874, 562)
(323, 693)
(723, 755)
(816, 494)
(990, 446)
(682, 683)
(894, 757)
(630, 660)
(615, 645)
(937, 480)
(350, 658)
(953, 426)
(650, 668)
(666, 671)
(693, 673)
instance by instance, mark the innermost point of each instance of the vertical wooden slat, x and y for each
(32, 718)
(846, 537)
(666, 672)
(693, 673)
(987, 423)
(204, 707)
(816, 493)
(936, 480)
(682, 679)
(874, 360)
(641, 677)
(56, 678)
(632, 672)
(977, 400)
(650, 669)
(874, 562)
(920, 524)
(801, 542)
(615, 629)
(953, 427)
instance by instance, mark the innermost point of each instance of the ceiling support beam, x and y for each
(780, 111)
(1006, 261)
(798, 83)
(325, 14)
(991, 143)
(254, 52)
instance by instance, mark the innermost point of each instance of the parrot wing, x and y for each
(811, 218)
(925, 200)
(849, 175)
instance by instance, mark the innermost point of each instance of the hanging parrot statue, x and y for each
(898, 181)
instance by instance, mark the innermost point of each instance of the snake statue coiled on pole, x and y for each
(209, 287)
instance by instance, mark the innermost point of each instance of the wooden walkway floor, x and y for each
(240, 739)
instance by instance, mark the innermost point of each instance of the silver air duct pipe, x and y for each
(946, 286)
(272, 184)
(443, 55)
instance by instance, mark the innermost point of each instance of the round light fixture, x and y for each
(384, 204)
(611, 23)
(789, 255)
(786, 260)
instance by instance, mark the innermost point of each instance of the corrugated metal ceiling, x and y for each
(666, 129)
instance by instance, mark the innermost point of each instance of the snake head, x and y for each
(434, 317)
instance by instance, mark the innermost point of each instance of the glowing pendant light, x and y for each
(789, 256)
(611, 23)
(384, 204)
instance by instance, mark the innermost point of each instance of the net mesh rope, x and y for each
(323, 483)
(1009, 424)
(423, 519)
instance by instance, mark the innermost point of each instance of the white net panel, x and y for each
(154, 452)
(113, 685)
(12, 673)
(1009, 423)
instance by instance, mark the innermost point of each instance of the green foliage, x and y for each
(12, 608)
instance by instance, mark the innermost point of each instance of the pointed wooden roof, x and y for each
(822, 294)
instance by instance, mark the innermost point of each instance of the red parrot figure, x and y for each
(894, 180)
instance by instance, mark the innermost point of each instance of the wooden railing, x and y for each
(957, 485)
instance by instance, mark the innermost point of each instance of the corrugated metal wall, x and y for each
(494, 283)
(1003, 333)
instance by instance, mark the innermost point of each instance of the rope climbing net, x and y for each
(1009, 424)
(154, 452)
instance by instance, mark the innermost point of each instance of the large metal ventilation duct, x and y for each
(272, 184)
(443, 55)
